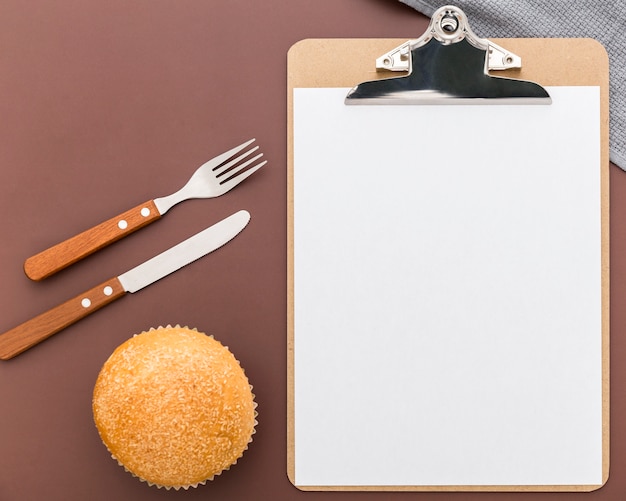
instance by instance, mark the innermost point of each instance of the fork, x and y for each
(212, 179)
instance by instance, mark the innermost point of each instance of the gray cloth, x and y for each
(603, 20)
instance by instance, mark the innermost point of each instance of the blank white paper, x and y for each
(447, 292)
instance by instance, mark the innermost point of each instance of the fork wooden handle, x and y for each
(74, 249)
(32, 332)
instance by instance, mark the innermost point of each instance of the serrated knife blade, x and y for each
(35, 330)
(185, 252)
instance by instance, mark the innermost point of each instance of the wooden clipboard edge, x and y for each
(449, 488)
(547, 61)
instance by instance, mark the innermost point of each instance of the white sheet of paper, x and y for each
(447, 292)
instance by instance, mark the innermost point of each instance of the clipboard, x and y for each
(346, 64)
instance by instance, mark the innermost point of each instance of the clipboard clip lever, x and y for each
(448, 64)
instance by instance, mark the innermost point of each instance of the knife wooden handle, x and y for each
(31, 332)
(74, 249)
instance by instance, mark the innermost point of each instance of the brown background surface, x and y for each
(107, 104)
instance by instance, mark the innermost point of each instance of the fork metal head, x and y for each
(216, 177)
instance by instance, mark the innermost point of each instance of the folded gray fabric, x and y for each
(603, 20)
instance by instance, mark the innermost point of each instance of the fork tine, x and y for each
(234, 181)
(218, 170)
(218, 160)
(230, 173)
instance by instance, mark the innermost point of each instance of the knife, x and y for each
(31, 332)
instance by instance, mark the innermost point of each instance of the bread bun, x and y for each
(174, 407)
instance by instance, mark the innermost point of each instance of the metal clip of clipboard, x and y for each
(448, 64)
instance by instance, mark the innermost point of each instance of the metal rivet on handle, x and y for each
(108, 290)
(122, 224)
(85, 303)
(145, 212)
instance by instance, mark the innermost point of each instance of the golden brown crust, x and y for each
(174, 407)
